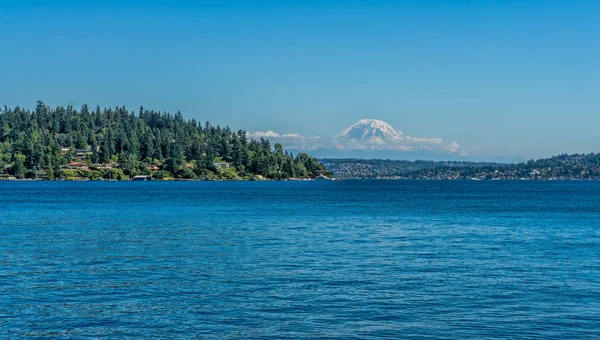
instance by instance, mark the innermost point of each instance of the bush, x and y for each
(67, 174)
(188, 173)
(228, 173)
(115, 173)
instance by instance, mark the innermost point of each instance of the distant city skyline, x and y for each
(501, 78)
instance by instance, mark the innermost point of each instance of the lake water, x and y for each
(342, 259)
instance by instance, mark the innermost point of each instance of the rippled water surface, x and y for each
(343, 259)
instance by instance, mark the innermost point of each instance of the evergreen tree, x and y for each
(128, 143)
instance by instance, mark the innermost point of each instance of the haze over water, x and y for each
(343, 259)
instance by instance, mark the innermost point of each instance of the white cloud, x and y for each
(436, 141)
(292, 140)
(265, 134)
(452, 147)
(271, 134)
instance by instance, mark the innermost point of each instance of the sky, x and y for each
(511, 78)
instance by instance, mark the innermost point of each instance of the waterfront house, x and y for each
(102, 166)
(221, 165)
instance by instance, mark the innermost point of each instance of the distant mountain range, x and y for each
(372, 138)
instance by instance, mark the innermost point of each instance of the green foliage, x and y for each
(114, 173)
(186, 173)
(18, 168)
(67, 174)
(229, 173)
(51, 138)
(161, 174)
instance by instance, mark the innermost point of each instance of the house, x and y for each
(152, 167)
(221, 165)
(83, 153)
(65, 149)
(102, 166)
(76, 166)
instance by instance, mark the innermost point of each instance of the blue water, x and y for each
(343, 259)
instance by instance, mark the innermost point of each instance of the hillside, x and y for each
(114, 143)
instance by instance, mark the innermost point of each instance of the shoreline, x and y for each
(302, 180)
(156, 180)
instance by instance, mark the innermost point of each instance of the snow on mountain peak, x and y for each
(365, 135)
(369, 129)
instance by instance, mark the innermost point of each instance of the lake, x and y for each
(360, 259)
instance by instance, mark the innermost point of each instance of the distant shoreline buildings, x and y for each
(563, 167)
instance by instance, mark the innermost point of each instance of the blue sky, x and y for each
(513, 78)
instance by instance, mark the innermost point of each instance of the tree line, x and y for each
(576, 166)
(115, 143)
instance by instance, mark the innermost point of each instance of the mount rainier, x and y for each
(368, 138)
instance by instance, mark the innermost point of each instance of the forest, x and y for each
(116, 144)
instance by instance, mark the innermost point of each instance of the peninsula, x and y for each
(115, 143)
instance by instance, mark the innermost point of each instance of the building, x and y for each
(221, 165)
(102, 166)
(76, 166)
(83, 153)
(141, 178)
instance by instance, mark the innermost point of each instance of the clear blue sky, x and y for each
(512, 77)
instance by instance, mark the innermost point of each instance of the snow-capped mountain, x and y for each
(371, 130)
(368, 138)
